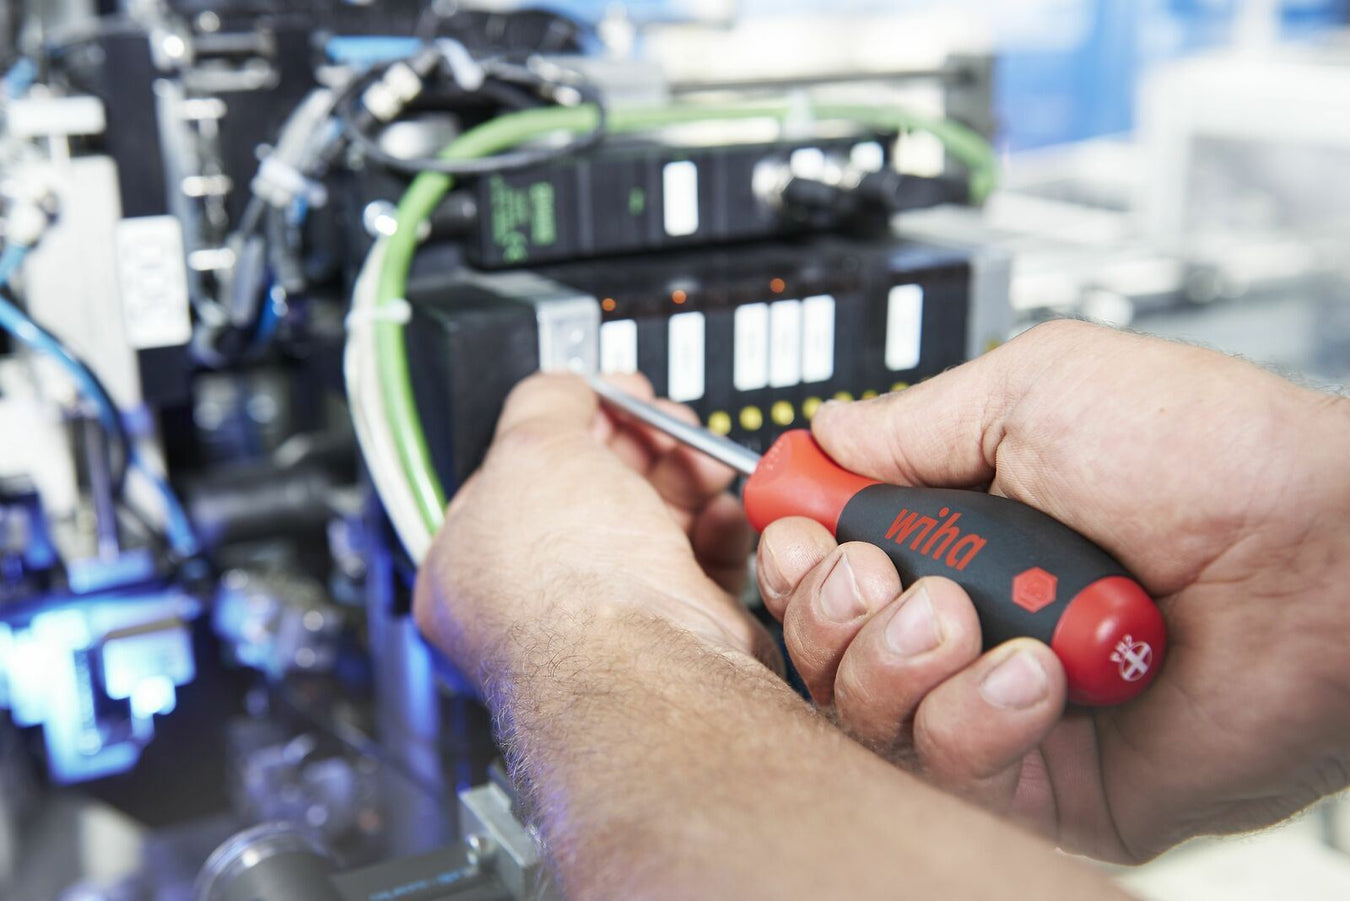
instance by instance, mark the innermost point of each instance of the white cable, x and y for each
(367, 406)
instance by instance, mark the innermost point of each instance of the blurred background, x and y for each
(1172, 166)
(220, 656)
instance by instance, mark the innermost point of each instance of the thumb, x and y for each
(945, 431)
(556, 400)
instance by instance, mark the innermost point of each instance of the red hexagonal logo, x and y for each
(1034, 589)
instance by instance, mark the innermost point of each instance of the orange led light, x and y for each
(777, 285)
(608, 305)
(678, 296)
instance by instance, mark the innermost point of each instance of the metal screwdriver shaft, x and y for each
(719, 448)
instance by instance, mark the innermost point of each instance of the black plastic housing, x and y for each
(468, 347)
(613, 200)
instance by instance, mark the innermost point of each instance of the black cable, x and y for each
(517, 159)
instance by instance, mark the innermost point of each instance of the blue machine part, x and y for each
(27, 553)
(1053, 91)
(94, 673)
(95, 575)
(369, 50)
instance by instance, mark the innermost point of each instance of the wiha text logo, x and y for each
(943, 542)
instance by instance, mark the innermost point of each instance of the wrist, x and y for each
(595, 623)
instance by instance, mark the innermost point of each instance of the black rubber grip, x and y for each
(1019, 566)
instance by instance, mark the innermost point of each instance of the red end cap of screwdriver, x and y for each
(796, 478)
(1111, 639)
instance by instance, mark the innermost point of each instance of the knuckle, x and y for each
(940, 745)
(1056, 331)
(852, 685)
(527, 438)
(810, 650)
(876, 575)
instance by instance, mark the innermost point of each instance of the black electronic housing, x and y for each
(613, 200)
(468, 347)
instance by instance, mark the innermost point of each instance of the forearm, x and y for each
(659, 767)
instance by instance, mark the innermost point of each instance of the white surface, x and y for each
(1289, 861)
(30, 117)
(618, 347)
(817, 338)
(868, 156)
(807, 162)
(904, 327)
(152, 272)
(679, 189)
(82, 303)
(785, 343)
(686, 357)
(750, 369)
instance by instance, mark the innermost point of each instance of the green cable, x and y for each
(505, 132)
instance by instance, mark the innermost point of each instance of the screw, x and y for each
(379, 218)
(480, 848)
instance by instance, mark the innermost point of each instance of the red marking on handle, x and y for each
(796, 478)
(1111, 639)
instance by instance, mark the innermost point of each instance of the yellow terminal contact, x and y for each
(810, 406)
(900, 386)
(782, 413)
(719, 423)
(843, 395)
(752, 419)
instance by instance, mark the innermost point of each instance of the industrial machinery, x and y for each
(268, 271)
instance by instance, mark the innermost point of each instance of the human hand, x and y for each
(570, 498)
(1222, 488)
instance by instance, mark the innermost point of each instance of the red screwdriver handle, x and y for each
(1027, 573)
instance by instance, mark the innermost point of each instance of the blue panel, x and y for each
(1084, 91)
(94, 673)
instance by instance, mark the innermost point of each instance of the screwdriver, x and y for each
(1027, 573)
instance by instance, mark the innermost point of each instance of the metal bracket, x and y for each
(568, 320)
(499, 842)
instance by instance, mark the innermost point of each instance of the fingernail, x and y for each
(840, 599)
(770, 572)
(1017, 683)
(914, 629)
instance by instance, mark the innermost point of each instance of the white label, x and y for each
(817, 338)
(750, 368)
(679, 182)
(618, 347)
(904, 327)
(686, 357)
(152, 273)
(785, 343)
